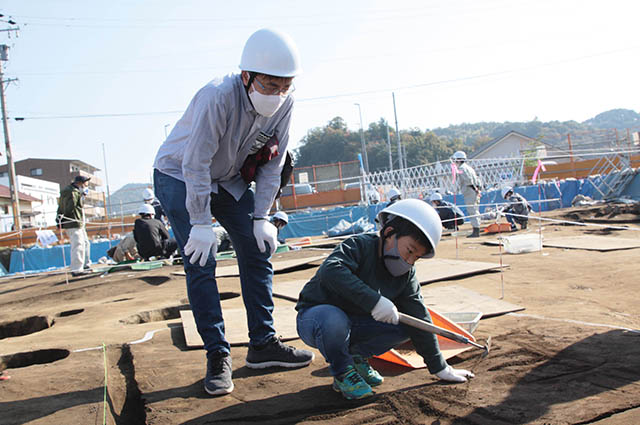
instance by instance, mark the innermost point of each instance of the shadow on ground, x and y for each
(597, 364)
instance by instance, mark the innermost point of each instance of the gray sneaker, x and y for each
(218, 379)
(275, 353)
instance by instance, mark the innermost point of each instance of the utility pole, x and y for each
(364, 146)
(401, 165)
(13, 189)
(106, 178)
(389, 146)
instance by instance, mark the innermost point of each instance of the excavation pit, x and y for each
(167, 313)
(29, 358)
(25, 326)
(70, 312)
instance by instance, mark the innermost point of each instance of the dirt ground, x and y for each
(565, 359)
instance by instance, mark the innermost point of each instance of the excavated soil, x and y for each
(571, 357)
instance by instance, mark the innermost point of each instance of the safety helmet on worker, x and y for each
(459, 156)
(146, 209)
(393, 194)
(271, 52)
(281, 215)
(435, 196)
(422, 215)
(148, 195)
(506, 190)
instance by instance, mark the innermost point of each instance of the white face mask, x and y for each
(266, 105)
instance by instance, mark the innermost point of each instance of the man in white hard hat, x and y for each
(449, 213)
(393, 195)
(471, 188)
(518, 205)
(234, 131)
(280, 219)
(349, 309)
(152, 238)
(149, 198)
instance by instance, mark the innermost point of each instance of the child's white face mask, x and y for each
(394, 263)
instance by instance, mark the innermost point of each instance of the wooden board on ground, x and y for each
(278, 266)
(288, 289)
(586, 242)
(435, 269)
(426, 270)
(454, 298)
(236, 329)
(592, 243)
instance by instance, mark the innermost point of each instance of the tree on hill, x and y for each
(615, 118)
(335, 142)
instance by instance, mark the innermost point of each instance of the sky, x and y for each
(103, 82)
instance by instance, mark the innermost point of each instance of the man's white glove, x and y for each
(385, 311)
(454, 375)
(202, 241)
(264, 231)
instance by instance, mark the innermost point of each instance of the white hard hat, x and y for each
(281, 215)
(393, 193)
(146, 209)
(423, 215)
(271, 52)
(459, 155)
(506, 190)
(147, 194)
(435, 196)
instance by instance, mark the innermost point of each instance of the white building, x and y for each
(47, 192)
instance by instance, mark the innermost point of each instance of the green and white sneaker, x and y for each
(351, 385)
(364, 369)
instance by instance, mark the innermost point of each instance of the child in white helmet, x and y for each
(349, 309)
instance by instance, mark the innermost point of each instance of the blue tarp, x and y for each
(38, 259)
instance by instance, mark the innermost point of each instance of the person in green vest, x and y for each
(70, 217)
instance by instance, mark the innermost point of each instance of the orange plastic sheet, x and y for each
(449, 348)
(498, 228)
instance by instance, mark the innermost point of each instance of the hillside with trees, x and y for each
(335, 142)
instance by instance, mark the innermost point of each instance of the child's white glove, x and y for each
(454, 375)
(385, 311)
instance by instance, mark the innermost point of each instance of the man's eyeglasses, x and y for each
(276, 90)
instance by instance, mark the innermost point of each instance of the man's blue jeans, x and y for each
(338, 335)
(256, 271)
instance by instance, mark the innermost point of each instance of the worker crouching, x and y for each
(349, 309)
(517, 211)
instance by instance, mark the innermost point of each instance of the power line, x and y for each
(124, 114)
(360, 93)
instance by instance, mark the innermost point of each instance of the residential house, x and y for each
(6, 210)
(63, 171)
(48, 194)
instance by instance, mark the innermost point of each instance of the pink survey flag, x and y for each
(454, 171)
(535, 173)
